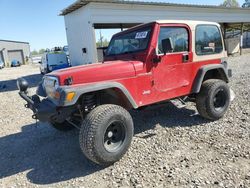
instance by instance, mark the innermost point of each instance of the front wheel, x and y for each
(106, 134)
(213, 100)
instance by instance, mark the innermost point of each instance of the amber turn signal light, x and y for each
(70, 96)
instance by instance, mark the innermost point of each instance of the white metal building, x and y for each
(14, 50)
(82, 17)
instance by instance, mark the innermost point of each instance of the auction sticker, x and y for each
(141, 35)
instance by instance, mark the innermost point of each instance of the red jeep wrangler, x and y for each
(144, 65)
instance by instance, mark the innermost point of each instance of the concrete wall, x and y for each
(6, 46)
(80, 31)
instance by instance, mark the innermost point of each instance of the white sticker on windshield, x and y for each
(141, 35)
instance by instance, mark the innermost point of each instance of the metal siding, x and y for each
(81, 3)
(80, 34)
(118, 13)
(6, 46)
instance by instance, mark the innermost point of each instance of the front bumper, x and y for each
(43, 110)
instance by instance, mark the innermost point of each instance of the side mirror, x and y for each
(167, 45)
(156, 59)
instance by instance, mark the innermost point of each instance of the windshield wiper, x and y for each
(128, 52)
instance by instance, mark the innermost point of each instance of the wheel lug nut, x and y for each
(110, 134)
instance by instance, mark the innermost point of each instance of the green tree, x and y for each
(246, 4)
(230, 3)
(102, 43)
(34, 52)
(42, 51)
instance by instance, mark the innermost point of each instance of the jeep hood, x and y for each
(110, 70)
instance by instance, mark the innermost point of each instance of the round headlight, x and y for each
(50, 82)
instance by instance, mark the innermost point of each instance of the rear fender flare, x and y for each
(202, 72)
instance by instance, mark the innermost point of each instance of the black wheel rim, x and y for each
(220, 99)
(114, 136)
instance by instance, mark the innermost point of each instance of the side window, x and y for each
(208, 40)
(178, 37)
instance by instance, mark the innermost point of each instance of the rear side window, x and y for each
(208, 40)
(178, 37)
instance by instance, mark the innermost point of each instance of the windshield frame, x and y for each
(138, 28)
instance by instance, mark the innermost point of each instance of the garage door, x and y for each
(16, 55)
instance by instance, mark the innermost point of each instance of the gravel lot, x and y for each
(171, 148)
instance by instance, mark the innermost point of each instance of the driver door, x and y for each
(172, 73)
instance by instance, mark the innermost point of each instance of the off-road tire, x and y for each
(95, 127)
(205, 99)
(64, 127)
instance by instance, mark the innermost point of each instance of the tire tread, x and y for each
(201, 100)
(89, 128)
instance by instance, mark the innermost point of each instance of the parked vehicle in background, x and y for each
(145, 65)
(15, 63)
(36, 59)
(53, 60)
(66, 50)
(1, 64)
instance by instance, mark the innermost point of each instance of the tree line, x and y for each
(235, 3)
(35, 52)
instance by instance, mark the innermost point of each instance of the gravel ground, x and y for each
(171, 148)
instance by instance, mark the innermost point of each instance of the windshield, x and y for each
(130, 42)
(57, 59)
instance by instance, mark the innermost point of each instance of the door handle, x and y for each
(185, 57)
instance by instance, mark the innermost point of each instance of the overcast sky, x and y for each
(38, 23)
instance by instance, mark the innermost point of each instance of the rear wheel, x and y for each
(213, 100)
(64, 127)
(106, 134)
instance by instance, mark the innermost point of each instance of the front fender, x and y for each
(82, 89)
